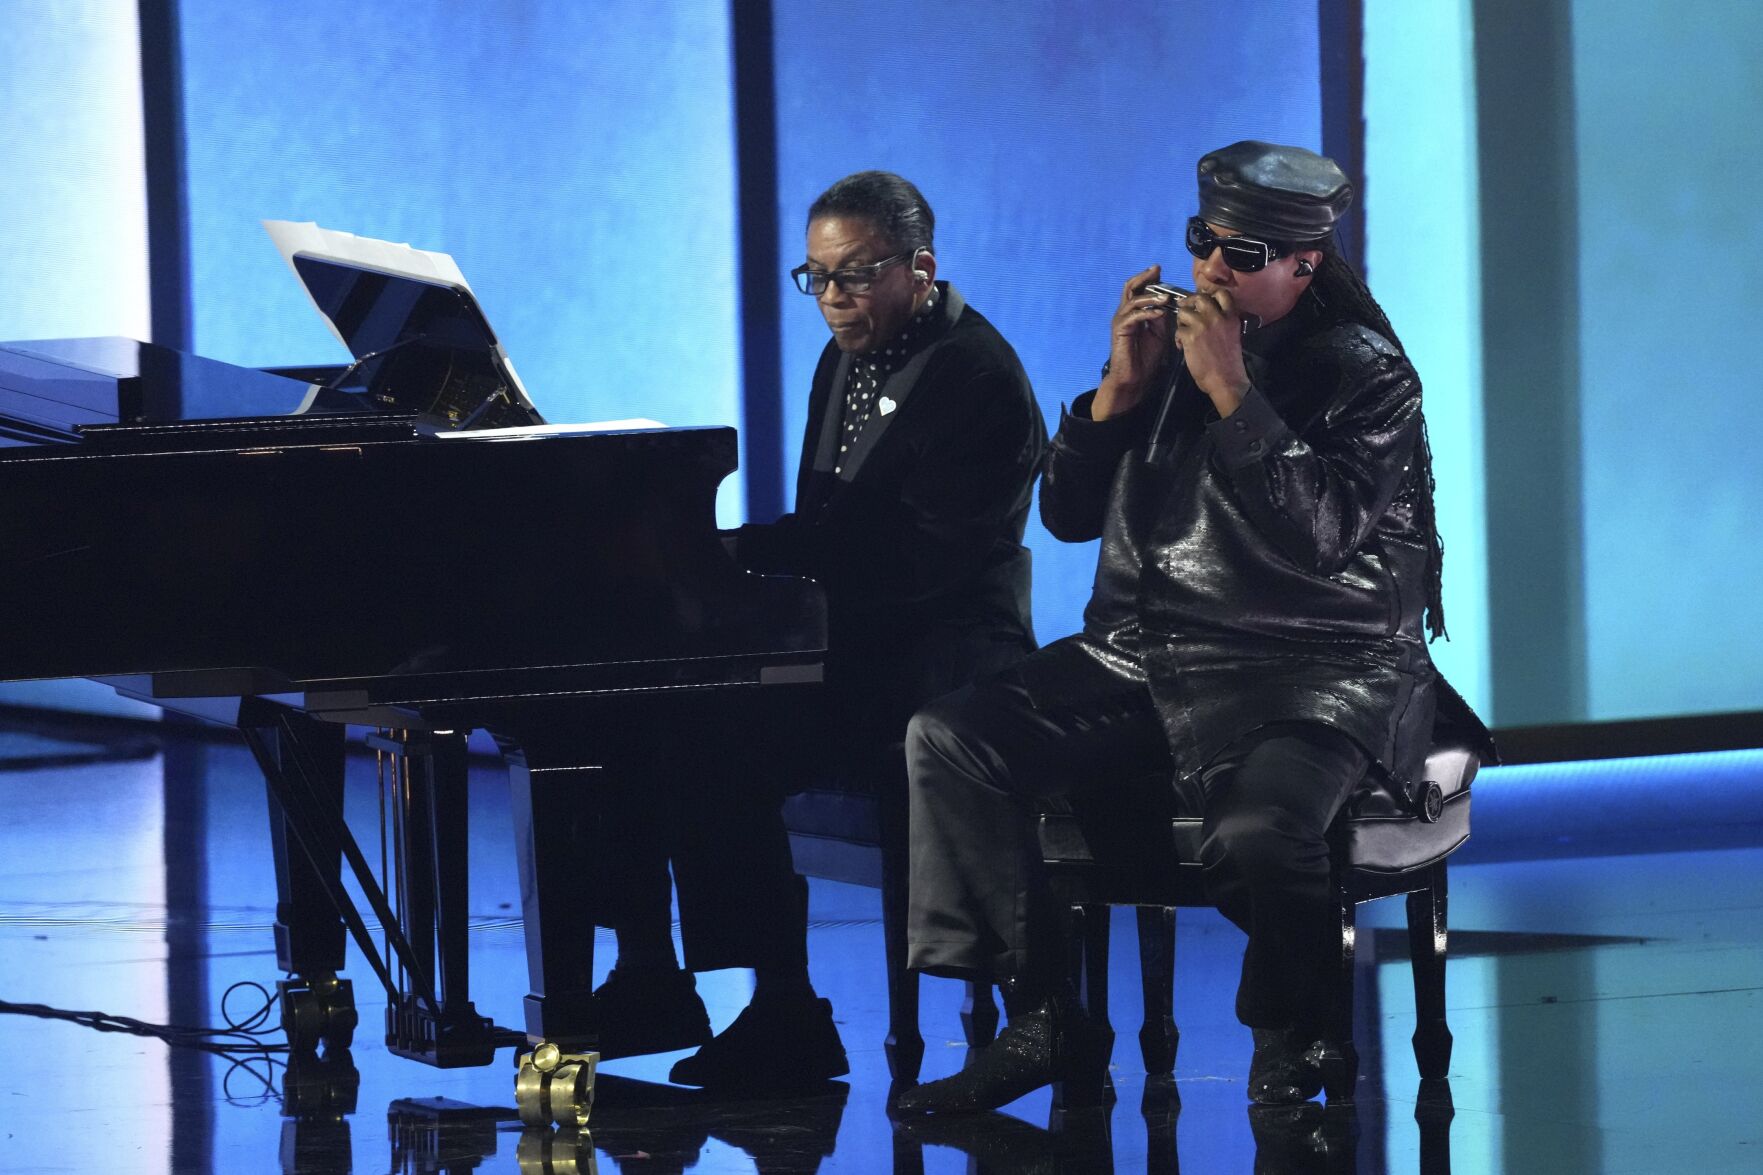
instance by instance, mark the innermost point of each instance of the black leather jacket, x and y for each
(1267, 567)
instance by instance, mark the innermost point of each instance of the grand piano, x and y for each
(400, 545)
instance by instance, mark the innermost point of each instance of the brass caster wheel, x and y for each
(554, 1086)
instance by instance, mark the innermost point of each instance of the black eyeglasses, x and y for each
(853, 279)
(1243, 254)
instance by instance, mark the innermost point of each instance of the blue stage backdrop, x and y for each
(577, 160)
(73, 203)
(1056, 143)
(1669, 253)
(1423, 259)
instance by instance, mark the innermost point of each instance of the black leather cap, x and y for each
(1278, 193)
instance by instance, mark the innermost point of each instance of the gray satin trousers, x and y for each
(980, 758)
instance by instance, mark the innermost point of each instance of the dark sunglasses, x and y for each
(1243, 254)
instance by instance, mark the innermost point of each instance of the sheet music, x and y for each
(305, 236)
(635, 424)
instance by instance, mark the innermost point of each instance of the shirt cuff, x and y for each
(1248, 434)
(1077, 431)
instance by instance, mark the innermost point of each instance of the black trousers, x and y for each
(709, 799)
(980, 758)
(700, 811)
(741, 902)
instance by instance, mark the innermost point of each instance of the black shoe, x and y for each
(1285, 1069)
(1051, 1043)
(649, 1010)
(778, 1043)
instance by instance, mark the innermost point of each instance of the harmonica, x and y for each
(1177, 296)
(1174, 293)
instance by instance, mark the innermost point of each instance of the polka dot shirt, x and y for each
(870, 371)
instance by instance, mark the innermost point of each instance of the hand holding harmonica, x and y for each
(1176, 296)
(1140, 341)
(1142, 338)
(1213, 351)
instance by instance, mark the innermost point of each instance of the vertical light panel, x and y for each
(577, 160)
(1528, 197)
(73, 201)
(1668, 100)
(72, 194)
(1423, 257)
(1056, 143)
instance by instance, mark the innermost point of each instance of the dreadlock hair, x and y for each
(1344, 297)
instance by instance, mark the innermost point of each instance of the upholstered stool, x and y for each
(1382, 846)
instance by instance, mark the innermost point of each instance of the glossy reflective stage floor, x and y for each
(1605, 1006)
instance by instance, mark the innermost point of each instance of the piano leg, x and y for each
(556, 808)
(439, 776)
(435, 886)
(428, 1020)
(317, 1007)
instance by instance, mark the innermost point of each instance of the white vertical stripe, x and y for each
(73, 201)
(1423, 230)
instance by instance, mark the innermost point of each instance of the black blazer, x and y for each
(918, 540)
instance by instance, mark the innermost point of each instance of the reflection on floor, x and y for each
(1606, 1012)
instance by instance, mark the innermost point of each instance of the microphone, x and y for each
(1158, 446)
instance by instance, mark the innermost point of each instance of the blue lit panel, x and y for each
(577, 160)
(1667, 107)
(73, 201)
(1056, 144)
(1711, 799)
(1420, 166)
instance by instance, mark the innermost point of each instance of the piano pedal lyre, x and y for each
(552, 1086)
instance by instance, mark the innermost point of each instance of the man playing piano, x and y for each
(916, 474)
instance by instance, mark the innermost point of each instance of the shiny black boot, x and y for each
(1053, 1042)
(1286, 1068)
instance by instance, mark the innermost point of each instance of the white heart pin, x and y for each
(887, 405)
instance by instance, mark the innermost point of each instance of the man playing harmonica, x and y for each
(1269, 573)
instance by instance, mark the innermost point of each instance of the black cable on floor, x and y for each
(245, 1035)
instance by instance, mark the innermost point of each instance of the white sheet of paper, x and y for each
(305, 236)
(293, 237)
(635, 424)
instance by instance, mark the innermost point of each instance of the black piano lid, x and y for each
(59, 385)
